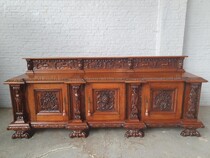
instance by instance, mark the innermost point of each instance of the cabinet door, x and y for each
(47, 102)
(105, 101)
(162, 101)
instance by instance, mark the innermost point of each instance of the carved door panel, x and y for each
(162, 100)
(105, 101)
(47, 102)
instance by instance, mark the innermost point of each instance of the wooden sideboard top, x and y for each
(103, 77)
(105, 69)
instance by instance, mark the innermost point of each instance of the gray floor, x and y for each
(105, 143)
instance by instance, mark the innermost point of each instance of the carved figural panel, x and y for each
(135, 100)
(105, 100)
(48, 101)
(162, 100)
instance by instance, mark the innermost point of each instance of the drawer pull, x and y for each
(147, 110)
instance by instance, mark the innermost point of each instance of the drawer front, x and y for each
(105, 101)
(47, 102)
(162, 101)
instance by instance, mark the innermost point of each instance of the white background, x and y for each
(49, 28)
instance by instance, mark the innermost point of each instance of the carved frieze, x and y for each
(105, 100)
(106, 63)
(165, 63)
(162, 100)
(59, 64)
(193, 101)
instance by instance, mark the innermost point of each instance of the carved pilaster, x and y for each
(76, 102)
(19, 125)
(134, 102)
(18, 103)
(193, 101)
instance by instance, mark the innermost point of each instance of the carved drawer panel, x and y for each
(162, 100)
(48, 101)
(105, 101)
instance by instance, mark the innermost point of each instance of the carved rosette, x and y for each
(76, 102)
(193, 101)
(49, 101)
(105, 100)
(134, 101)
(163, 100)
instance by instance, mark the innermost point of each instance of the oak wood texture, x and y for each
(83, 92)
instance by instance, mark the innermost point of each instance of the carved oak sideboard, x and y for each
(83, 93)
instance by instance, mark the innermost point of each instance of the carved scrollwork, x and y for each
(105, 100)
(166, 63)
(49, 101)
(193, 101)
(163, 100)
(105, 63)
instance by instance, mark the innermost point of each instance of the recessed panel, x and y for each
(48, 101)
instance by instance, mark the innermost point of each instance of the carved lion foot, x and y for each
(190, 132)
(134, 133)
(78, 134)
(22, 134)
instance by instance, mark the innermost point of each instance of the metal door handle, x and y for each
(89, 113)
(147, 108)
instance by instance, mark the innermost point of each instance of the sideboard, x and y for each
(100, 92)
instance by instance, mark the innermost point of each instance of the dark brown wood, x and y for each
(130, 92)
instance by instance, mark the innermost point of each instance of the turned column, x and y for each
(191, 107)
(80, 128)
(19, 125)
(133, 123)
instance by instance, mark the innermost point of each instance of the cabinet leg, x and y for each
(22, 130)
(134, 133)
(190, 132)
(78, 134)
(22, 134)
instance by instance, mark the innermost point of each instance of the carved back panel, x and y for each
(123, 64)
